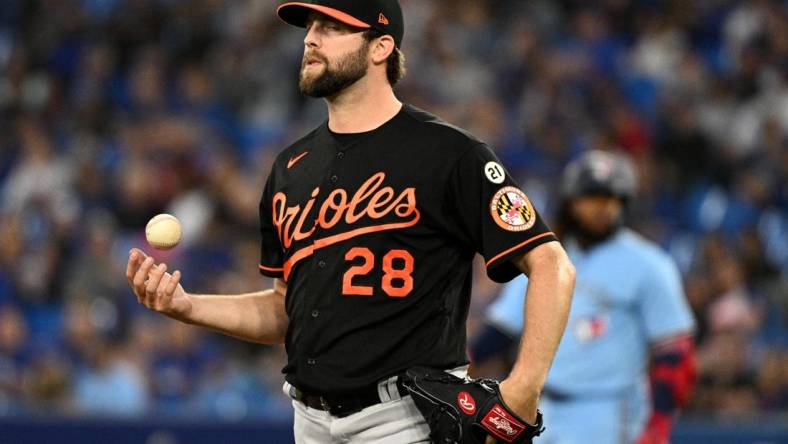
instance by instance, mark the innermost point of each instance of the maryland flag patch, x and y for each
(511, 209)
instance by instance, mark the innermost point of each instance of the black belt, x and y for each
(344, 405)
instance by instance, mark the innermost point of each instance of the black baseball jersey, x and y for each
(375, 238)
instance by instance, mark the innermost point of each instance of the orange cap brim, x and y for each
(296, 19)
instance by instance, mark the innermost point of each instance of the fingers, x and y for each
(136, 256)
(141, 275)
(173, 283)
(131, 267)
(151, 288)
(162, 300)
(139, 254)
(166, 290)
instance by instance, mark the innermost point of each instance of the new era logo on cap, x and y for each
(383, 15)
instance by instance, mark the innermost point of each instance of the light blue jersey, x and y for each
(628, 295)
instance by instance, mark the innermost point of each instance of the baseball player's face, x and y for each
(596, 214)
(335, 57)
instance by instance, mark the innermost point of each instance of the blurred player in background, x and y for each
(629, 319)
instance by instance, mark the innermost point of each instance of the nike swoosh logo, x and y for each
(294, 160)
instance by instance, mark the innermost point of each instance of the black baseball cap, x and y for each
(382, 15)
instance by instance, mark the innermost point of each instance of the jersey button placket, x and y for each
(314, 314)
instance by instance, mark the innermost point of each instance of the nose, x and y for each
(311, 40)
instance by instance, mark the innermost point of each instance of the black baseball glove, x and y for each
(465, 410)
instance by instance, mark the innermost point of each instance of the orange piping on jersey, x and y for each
(272, 270)
(535, 238)
(331, 240)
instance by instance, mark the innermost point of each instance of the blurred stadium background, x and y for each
(112, 111)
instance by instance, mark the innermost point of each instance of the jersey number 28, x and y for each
(397, 282)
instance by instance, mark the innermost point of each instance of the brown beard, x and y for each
(349, 70)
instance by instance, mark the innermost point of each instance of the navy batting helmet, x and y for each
(599, 172)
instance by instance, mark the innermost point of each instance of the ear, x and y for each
(381, 48)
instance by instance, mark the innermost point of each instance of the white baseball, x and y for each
(163, 231)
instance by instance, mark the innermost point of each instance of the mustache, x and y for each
(313, 56)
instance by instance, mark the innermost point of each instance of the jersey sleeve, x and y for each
(271, 253)
(490, 212)
(506, 312)
(663, 307)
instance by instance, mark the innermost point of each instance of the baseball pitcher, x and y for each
(369, 225)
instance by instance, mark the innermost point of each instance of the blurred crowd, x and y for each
(112, 111)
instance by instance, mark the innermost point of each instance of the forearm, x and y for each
(673, 375)
(549, 295)
(256, 317)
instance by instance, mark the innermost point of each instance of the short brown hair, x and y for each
(395, 64)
